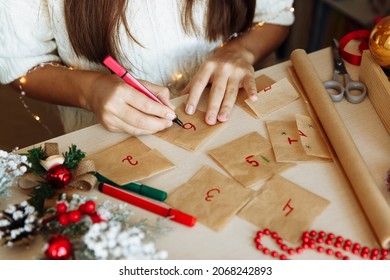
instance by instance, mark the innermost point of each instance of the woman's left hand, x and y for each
(227, 70)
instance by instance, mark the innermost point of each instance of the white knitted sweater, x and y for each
(34, 31)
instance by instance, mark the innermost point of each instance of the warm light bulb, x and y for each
(23, 80)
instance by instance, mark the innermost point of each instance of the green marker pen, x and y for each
(136, 187)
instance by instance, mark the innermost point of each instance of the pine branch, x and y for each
(39, 195)
(35, 156)
(73, 157)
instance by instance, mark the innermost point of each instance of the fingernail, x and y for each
(190, 109)
(224, 116)
(211, 119)
(171, 116)
(253, 97)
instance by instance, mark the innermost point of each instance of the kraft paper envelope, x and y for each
(286, 142)
(262, 82)
(284, 207)
(129, 161)
(211, 197)
(248, 159)
(193, 133)
(273, 98)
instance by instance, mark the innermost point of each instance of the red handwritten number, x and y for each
(129, 159)
(302, 134)
(252, 162)
(289, 207)
(189, 126)
(291, 140)
(267, 88)
(208, 196)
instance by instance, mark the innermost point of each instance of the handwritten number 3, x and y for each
(209, 196)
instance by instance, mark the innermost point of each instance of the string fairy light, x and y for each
(257, 25)
(23, 82)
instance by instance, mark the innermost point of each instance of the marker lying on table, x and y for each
(118, 69)
(172, 214)
(135, 187)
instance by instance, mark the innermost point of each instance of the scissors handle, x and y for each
(355, 92)
(335, 90)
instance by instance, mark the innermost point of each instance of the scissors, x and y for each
(354, 91)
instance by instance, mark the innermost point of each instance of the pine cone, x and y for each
(18, 224)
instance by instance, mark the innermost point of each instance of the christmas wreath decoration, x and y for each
(76, 227)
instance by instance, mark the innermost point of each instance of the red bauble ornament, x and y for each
(58, 176)
(59, 248)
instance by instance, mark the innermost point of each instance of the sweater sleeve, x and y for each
(26, 38)
(275, 12)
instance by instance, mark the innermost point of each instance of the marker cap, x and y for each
(180, 217)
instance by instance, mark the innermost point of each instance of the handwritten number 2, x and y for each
(129, 159)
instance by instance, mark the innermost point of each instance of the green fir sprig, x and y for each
(34, 156)
(39, 195)
(73, 157)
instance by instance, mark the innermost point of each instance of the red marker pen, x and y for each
(118, 69)
(133, 199)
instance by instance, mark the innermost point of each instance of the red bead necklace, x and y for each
(322, 242)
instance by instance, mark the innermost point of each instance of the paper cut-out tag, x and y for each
(211, 197)
(262, 82)
(284, 207)
(273, 98)
(248, 159)
(286, 142)
(192, 134)
(129, 161)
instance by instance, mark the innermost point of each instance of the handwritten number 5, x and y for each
(252, 162)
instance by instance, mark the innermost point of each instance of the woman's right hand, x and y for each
(121, 108)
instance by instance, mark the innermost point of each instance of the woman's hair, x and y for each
(93, 26)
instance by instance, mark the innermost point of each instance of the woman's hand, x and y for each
(227, 70)
(230, 68)
(122, 108)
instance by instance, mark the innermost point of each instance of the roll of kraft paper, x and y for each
(372, 201)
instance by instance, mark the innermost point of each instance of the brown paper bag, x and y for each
(284, 207)
(311, 139)
(273, 98)
(193, 133)
(286, 142)
(248, 159)
(262, 82)
(211, 197)
(129, 161)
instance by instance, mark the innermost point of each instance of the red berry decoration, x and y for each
(58, 176)
(62, 208)
(74, 216)
(59, 248)
(89, 207)
(63, 219)
(95, 218)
